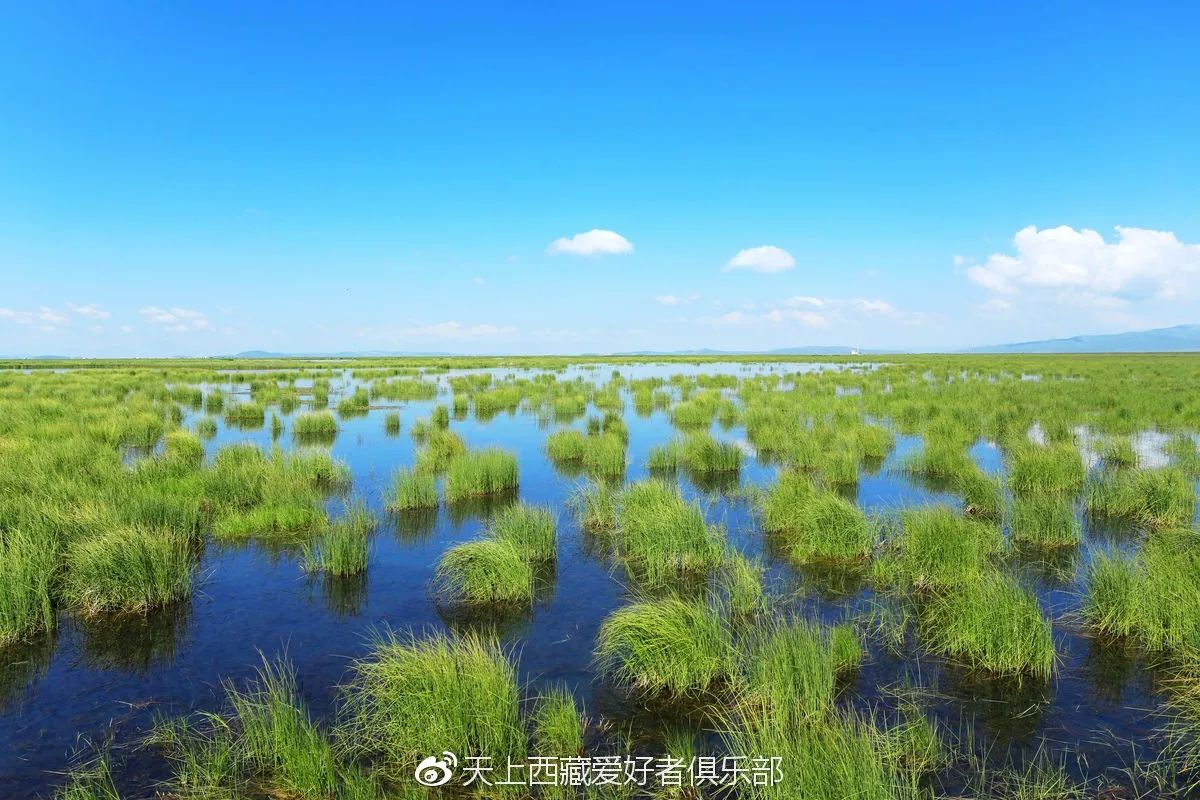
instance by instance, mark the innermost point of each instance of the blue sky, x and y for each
(193, 179)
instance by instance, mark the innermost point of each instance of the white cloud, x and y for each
(176, 319)
(810, 319)
(1084, 269)
(50, 317)
(801, 300)
(91, 311)
(676, 300)
(766, 258)
(20, 317)
(592, 243)
(873, 308)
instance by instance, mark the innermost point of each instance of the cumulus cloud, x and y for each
(595, 242)
(91, 311)
(1081, 268)
(175, 319)
(766, 258)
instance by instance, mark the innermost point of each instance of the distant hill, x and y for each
(1176, 339)
(342, 354)
(812, 350)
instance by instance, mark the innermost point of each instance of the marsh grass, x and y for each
(815, 524)
(183, 448)
(668, 646)
(595, 507)
(206, 427)
(661, 537)
(412, 697)
(412, 490)
(28, 566)
(1052, 468)
(1156, 498)
(345, 548)
(480, 474)
(442, 448)
(790, 672)
(695, 452)
(982, 494)
(937, 548)
(486, 571)
(1046, 521)
(127, 569)
(247, 414)
(320, 426)
(993, 624)
(531, 529)
(90, 781)
(391, 423)
(557, 729)
(1154, 599)
(741, 580)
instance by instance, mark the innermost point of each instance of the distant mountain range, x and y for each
(1176, 339)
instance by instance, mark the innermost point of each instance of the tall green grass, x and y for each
(315, 426)
(28, 567)
(345, 548)
(937, 548)
(1155, 498)
(1051, 468)
(1154, 599)
(993, 624)
(661, 537)
(127, 569)
(412, 490)
(1046, 520)
(486, 571)
(414, 697)
(481, 473)
(531, 529)
(671, 646)
(815, 524)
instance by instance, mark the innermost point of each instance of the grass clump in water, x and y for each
(485, 572)
(670, 646)
(127, 569)
(741, 579)
(982, 494)
(391, 423)
(28, 565)
(345, 549)
(480, 474)
(442, 448)
(1054, 468)
(1046, 520)
(412, 490)
(413, 697)
(993, 624)
(531, 529)
(1154, 599)
(315, 426)
(1155, 498)
(937, 548)
(791, 670)
(246, 415)
(661, 537)
(815, 524)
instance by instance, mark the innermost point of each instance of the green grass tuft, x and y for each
(480, 474)
(127, 569)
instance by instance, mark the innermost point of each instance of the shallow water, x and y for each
(107, 681)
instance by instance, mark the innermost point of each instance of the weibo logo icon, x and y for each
(434, 771)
